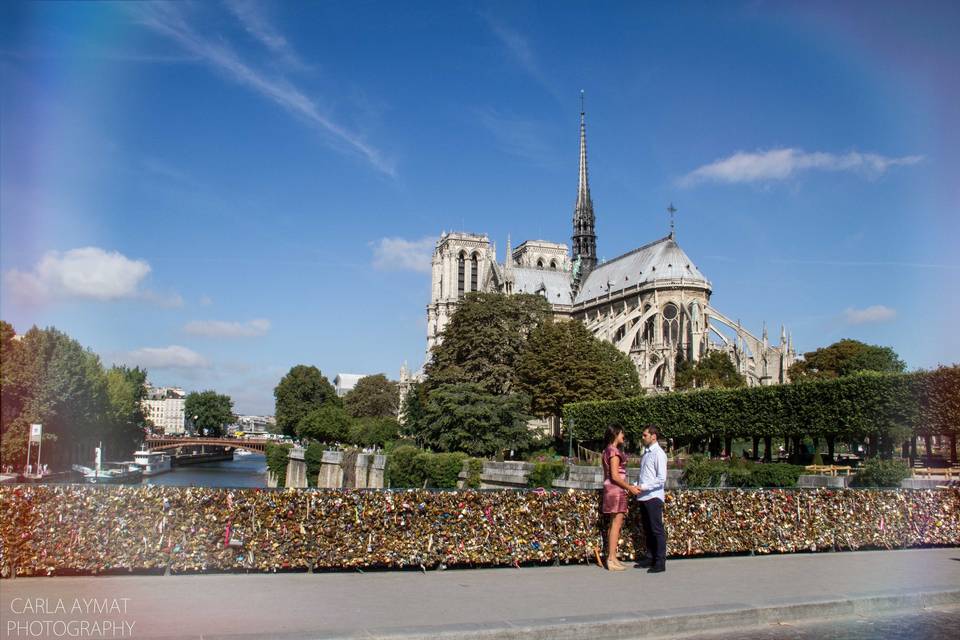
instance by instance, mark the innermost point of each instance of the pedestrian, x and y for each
(653, 478)
(615, 490)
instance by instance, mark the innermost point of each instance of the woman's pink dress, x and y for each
(614, 497)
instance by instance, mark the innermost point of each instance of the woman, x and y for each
(615, 491)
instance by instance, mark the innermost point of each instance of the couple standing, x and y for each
(616, 490)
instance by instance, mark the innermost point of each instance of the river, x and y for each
(242, 471)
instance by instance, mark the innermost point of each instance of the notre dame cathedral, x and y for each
(653, 303)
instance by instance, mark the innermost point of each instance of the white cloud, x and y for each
(876, 313)
(87, 273)
(518, 48)
(172, 357)
(526, 139)
(222, 329)
(167, 19)
(781, 164)
(249, 13)
(397, 254)
(206, 300)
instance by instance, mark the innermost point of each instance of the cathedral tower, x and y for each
(584, 236)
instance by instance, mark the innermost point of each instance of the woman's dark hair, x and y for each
(612, 432)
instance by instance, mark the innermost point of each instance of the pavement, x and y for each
(695, 595)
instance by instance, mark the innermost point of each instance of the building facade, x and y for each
(653, 303)
(163, 406)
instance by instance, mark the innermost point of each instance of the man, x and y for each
(653, 478)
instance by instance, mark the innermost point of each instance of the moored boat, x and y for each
(152, 463)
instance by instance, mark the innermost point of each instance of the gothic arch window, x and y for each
(473, 273)
(461, 273)
(671, 323)
(540, 263)
(553, 264)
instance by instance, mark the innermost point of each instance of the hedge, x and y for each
(408, 466)
(891, 405)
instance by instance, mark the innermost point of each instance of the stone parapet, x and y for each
(331, 470)
(815, 481)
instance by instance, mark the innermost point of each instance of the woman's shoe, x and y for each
(615, 565)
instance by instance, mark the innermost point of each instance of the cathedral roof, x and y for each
(555, 285)
(660, 260)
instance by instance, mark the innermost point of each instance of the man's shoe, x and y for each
(643, 563)
(657, 568)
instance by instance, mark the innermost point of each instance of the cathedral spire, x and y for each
(584, 234)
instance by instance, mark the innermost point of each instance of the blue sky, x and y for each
(219, 191)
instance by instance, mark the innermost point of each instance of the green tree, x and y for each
(845, 358)
(126, 391)
(299, 392)
(465, 417)
(562, 362)
(413, 409)
(713, 371)
(329, 423)
(210, 411)
(373, 432)
(52, 380)
(483, 340)
(373, 397)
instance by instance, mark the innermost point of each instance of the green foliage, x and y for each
(373, 432)
(844, 358)
(464, 417)
(817, 459)
(373, 397)
(474, 471)
(544, 473)
(210, 411)
(126, 391)
(713, 371)
(483, 340)
(313, 458)
(278, 455)
(301, 391)
(409, 466)
(327, 423)
(881, 473)
(851, 407)
(49, 378)
(562, 362)
(701, 471)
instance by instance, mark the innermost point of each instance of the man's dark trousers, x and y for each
(651, 512)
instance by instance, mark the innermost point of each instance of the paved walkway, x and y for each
(577, 601)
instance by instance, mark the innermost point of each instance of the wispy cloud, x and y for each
(869, 263)
(223, 329)
(172, 357)
(782, 164)
(398, 254)
(89, 273)
(170, 21)
(876, 313)
(525, 139)
(518, 48)
(250, 14)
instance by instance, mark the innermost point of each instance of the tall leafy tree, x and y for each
(301, 391)
(373, 397)
(563, 362)
(483, 340)
(465, 417)
(328, 423)
(126, 390)
(210, 411)
(844, 358)
(54, 381)
(713, 371)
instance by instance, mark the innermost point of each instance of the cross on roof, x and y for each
(672, 210)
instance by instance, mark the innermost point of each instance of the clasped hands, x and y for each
(635, 489)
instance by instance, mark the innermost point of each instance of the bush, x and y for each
(703, 472)
(544, 473)
(776, 475)
(277, 457)
(474, 471)
(313, 457)
(400, 470)
(373, 432)
(409, 466)
(881, 473)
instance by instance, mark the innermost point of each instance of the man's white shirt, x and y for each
(653, 473)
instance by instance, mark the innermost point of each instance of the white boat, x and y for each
(242, 452)
(152, 462)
